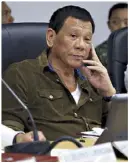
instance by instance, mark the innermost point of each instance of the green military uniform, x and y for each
(51, 104)
(101, 51)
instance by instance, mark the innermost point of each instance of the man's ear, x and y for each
(50, 37)
(109, 26)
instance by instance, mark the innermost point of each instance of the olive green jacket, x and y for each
(53, 108)
(101, 51)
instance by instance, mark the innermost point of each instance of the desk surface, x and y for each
(86, 142)
(62, 145)
(11, 157)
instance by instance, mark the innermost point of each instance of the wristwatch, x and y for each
(107, 99)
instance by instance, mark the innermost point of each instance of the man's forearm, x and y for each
(13, 125)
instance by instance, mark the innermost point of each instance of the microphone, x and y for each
(35, 147)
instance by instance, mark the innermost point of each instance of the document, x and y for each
(32, 159)
(95, 132)
(98, 153)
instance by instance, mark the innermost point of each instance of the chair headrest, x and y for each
(118, 45)
(118, 58)
(22, 41)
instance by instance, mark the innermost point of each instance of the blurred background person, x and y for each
(117, 19)
(6, 14)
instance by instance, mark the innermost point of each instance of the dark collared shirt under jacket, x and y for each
(53, 108)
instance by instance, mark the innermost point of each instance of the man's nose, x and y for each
(80, 44)
(123, 24)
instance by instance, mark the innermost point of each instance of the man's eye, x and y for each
(115, 21)
(87, 39)
(73, 36)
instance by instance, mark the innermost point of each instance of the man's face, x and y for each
(119, 19)
(73, 42)
(6, 14)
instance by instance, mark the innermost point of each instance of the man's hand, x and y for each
(28, 137)
(97, 75)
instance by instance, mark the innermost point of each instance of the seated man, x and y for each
(63, 94)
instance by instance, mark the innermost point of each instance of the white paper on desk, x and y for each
(97, 153)
(96, 131)
(57, 152)
(32, 159)
(122, 146)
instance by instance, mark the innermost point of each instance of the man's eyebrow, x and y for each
(115, 17)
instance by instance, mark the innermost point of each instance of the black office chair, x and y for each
(118, 58)
(22, 41)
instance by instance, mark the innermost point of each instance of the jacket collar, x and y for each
(43, 62)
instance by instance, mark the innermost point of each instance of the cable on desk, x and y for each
(63, 138)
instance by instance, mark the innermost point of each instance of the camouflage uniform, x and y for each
(101, 51)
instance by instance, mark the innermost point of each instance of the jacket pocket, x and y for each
(48, 104)
(50, 94)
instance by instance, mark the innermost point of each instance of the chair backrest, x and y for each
(118, 58)
(22, 41)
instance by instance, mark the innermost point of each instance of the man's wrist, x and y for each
(108, 93)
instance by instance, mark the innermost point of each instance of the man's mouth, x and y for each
(78, 57)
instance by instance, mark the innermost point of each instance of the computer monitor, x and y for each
(117, 121)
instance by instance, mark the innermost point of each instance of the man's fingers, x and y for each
(41, 136)
(93, 63)
(94, 55)
(97, 68)
(29, 137)
(87, 71)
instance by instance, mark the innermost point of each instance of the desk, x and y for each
(13, 157)
(62, 145)
(69, 145)
(87, 143)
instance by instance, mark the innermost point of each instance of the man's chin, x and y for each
(75, 66)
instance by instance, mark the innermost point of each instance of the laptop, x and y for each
(117, 121)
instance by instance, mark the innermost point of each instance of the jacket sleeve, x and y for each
(13, 114)
(8, 135)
